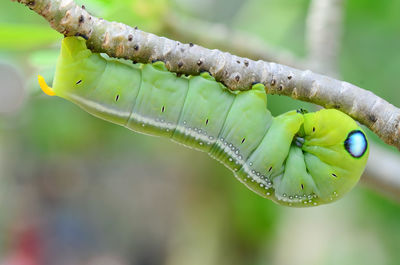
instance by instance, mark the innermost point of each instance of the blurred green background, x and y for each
(77, 190)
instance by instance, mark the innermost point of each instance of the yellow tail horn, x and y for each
(46, 89)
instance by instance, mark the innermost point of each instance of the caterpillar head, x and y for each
(335, 150)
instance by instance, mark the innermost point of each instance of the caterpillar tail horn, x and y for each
(46, 89)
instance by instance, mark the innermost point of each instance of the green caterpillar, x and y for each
(296, 159)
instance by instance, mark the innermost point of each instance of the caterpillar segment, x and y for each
(206, 106)
(161, 97)
(295, 159)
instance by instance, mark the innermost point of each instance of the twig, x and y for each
(383, 172)
(323, 34)
(119, 40)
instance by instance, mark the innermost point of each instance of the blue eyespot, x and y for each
(356, 143)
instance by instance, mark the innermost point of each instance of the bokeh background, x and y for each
(76, 190)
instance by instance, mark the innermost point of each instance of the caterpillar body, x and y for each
(296, 159)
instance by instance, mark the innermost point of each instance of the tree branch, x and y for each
(119, 40)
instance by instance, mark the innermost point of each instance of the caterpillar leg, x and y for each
(295, 185)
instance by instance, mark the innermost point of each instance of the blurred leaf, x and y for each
(26, 36)
(44, 58)
(279, 22)
(252, 232)
(146, 14)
